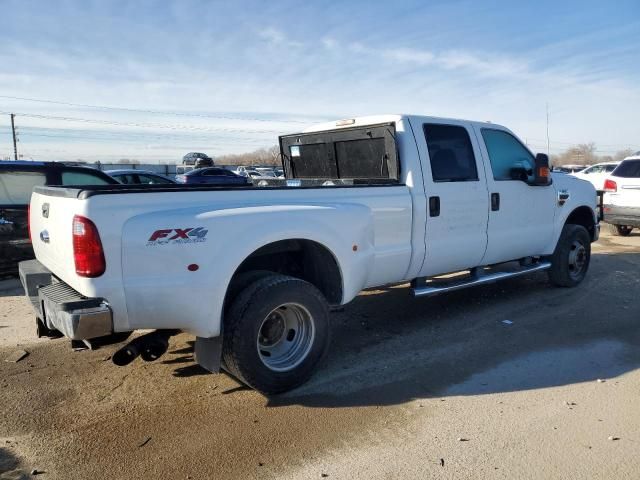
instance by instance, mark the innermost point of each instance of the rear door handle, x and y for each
(495, 202)
(434, 206)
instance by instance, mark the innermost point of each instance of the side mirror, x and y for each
(541, 174)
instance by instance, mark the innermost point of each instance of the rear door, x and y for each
(521, 216)
(457, 199)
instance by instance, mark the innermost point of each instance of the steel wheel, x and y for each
(285, 337)
(577, 259)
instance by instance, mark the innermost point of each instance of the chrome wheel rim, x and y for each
(577, 259)
(285, 337)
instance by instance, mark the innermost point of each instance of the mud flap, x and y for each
(209, 353)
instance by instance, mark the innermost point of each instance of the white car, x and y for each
(596, 174)
(622, 197)
(370, 201)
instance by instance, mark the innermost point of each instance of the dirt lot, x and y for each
(412, 388)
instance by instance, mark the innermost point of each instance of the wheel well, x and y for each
(299, 258)
(583, 216)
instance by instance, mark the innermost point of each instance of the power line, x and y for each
(144, 125)
(155, 112)
(141, 136)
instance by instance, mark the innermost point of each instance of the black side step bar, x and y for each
(437, 287)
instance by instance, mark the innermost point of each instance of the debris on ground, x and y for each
(600, 380)
(147, 440)
(461, 439)
(613, 438)
(442, 462)
(16, 356)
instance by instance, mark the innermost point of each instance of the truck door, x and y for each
(457, 198)
(521, 216)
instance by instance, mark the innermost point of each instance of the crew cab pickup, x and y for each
(253, 272)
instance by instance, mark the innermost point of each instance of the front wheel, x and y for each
(570, 260)
(275, 333)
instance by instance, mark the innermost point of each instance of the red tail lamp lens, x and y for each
(87, 248)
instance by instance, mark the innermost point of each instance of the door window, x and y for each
(450, 153)
(153, 179)
(507, 155)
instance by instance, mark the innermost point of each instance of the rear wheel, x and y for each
(275, 333)
(620, 230)
(571, 258)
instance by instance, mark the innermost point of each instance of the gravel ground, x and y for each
(412, 388)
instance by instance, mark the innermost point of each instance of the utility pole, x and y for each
(15, 146)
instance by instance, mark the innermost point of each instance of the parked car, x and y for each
(214, 176)
(17, 180)
(568, 168)
(138, 177)
(193, 157)
(252, 272)
(622, 197)
(596, 174)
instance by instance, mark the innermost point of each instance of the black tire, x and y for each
(246, 341)
(571, 258)
(620, 230)
(240, 282)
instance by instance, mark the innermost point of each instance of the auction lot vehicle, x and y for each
(597, 174)
(213, 176)
(17, 179)
(622, 197)
(130, 176)
(366, 202)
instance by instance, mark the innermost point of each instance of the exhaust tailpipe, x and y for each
(150, 347)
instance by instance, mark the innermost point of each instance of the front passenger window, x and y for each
(507, 155)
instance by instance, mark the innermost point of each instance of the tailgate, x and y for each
(51, 220)
(628, 192)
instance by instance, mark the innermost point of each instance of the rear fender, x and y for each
(177, 265)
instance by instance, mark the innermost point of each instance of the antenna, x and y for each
(548, 149)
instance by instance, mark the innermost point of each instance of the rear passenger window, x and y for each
(628, 169)
(450, 153)
(507, 155)
(82, 178)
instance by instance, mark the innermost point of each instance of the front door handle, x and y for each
(434, 206)
(495, 202)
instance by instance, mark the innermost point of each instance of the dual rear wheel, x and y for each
(276, 331)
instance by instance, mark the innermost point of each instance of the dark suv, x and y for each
(17, 179)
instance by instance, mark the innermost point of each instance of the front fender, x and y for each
(581, 194)
(164, 289)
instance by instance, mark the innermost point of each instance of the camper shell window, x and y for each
(362, 154)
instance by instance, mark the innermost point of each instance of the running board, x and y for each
(474, 280)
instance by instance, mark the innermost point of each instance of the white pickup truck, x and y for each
(253, 272)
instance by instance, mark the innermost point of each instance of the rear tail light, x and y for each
(610, 186)
(87, 248)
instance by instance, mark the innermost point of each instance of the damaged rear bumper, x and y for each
(60, 307)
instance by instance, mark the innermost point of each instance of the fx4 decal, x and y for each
(178, 235)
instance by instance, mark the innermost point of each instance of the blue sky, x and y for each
(239, 73)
